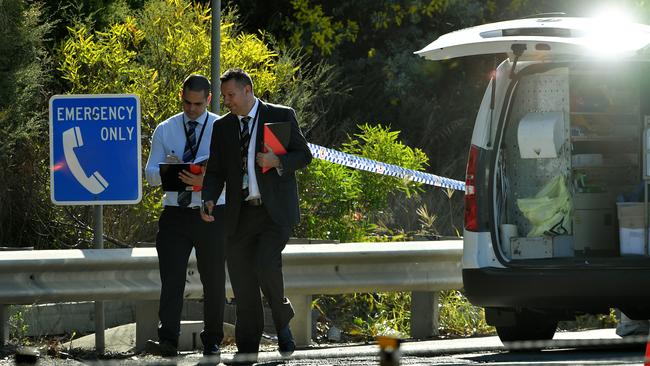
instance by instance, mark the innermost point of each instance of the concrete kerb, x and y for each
(122, 339)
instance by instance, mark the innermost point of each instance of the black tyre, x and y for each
(529, 326)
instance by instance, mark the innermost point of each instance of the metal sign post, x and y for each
(215, 53)
(98, 241)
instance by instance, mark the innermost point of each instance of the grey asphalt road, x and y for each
(594, 347)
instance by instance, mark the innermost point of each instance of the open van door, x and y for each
(577, 109)
(543, 38)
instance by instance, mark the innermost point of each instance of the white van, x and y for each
(557, 143)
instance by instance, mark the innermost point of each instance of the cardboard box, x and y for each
(535, 247)
(541, 247)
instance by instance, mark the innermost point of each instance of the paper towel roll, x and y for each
(540, 135)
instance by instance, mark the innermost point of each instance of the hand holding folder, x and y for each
(276, 137)
(169, 174)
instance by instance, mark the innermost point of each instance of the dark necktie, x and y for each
(185, 197)
(244, 139)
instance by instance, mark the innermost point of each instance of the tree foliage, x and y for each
(317, 32)
(24, 78)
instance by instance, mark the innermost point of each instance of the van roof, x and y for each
(544, 38)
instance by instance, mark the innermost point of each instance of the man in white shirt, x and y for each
(185, 137)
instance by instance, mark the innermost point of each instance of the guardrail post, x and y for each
(301, 322)
(4, 331)
(424, 314)
(146, 322)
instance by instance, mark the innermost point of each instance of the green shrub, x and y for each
(24, 77)
(343, 203)
(364, 316)
(589, 321)
(18, 326)
(459, 317)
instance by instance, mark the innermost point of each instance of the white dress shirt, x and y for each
(169, 139)
(253, 188)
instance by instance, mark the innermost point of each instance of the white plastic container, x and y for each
(630, 228)
(631, 241)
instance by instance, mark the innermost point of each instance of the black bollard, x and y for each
(388, 351)
(27, 356)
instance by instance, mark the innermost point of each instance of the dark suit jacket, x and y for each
(279, 192)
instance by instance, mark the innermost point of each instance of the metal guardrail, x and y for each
(31, 277)
(371, 267)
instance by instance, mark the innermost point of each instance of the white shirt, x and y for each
(253, 188)
(169, 139)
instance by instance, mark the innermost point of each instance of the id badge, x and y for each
(244, 184)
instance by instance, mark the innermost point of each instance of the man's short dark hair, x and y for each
(240, 76)
(196, 82)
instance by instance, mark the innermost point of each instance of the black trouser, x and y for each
(254, 258)
(180, 230)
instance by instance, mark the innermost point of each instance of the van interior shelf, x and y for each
(604, 138)
(603, 166)
(615, 114)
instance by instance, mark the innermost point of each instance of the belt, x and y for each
(178, 208)
(253, 202)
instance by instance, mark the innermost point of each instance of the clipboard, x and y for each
(169, 176)
(276, 135)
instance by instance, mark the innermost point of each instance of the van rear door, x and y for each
(543, 39)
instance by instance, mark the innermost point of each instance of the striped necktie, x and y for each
(244, 139)
(185, 197)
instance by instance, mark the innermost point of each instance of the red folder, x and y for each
(276, 136)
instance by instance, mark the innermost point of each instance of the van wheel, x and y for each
(528, 327)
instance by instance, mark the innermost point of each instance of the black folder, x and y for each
(169, 175)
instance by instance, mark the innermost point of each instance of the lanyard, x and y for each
(198, 142)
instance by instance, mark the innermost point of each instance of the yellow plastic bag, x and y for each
(550, 210)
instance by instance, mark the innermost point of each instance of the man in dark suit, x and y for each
(261, 208)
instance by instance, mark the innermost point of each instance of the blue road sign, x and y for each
(95, 149)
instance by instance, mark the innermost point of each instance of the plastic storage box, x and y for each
(630, 227)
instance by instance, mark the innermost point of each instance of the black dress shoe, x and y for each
(163, 348)
(242, 359)
(211, 346)
(286, 344)
(212, 350)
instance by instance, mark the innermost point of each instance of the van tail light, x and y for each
(471, 208)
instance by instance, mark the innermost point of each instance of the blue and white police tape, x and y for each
(357, 162)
